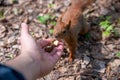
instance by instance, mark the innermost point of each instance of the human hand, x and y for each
(34, 62)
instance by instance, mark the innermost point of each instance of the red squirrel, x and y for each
(71, 23)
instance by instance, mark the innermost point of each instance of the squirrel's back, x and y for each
(81, 3)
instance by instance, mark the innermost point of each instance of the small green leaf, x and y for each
(53, 23)
(118, 54)
(47, 17)
(110, 28)
(104, 24)
(51, 31)
(106, 34)
(43, 19)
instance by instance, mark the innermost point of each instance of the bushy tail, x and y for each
(82, 3)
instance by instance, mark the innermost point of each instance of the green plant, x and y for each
(53, 23)
(51, 31)
(107, 27)
(47, 19)
(43, 19)
(118, 54)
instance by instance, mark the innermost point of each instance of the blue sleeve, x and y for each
(7, 73)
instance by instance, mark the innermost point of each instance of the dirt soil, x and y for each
(96, 57)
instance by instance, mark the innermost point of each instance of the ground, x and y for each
(97, 56)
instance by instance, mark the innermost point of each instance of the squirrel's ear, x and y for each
(68, 25)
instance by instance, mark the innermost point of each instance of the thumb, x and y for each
(24, 29)
(25, 36)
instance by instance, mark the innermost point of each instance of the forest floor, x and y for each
(95, 59)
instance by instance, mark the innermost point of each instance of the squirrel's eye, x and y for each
(64, 32)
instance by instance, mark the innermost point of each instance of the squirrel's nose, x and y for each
(56, 36)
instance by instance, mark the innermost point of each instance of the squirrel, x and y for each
(72, 23)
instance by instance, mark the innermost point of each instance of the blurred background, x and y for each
(98, 53)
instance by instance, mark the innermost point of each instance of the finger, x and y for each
(61, 43)
(26, 39)
(24, 29)
(54, 51)
(44, 42)
(57, 53)
(57, 47)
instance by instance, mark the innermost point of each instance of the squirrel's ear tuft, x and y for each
(68, 25)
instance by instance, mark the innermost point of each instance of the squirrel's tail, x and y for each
(82, 3)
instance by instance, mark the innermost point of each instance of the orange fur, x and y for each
(71, 23)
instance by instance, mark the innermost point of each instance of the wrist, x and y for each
(25, 65)
(32, 65)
